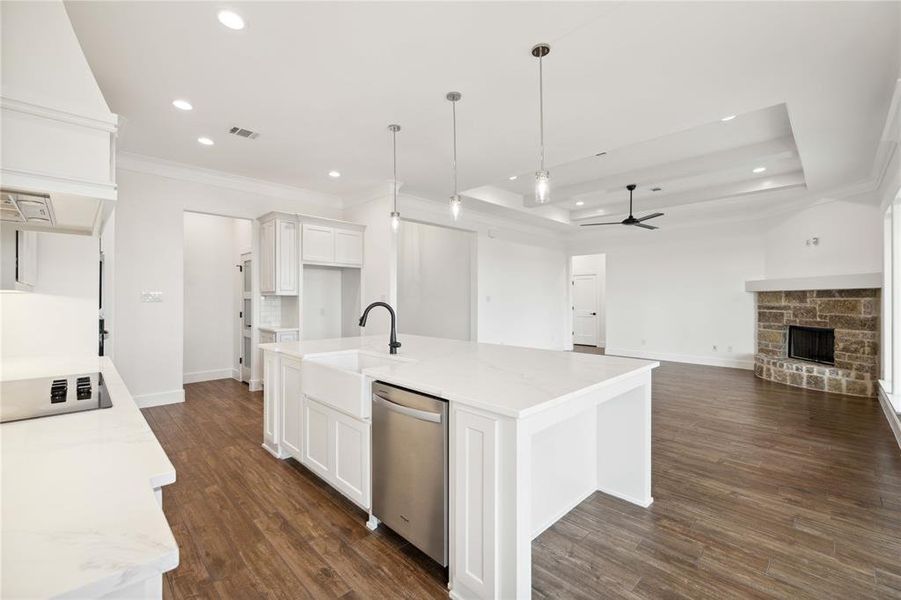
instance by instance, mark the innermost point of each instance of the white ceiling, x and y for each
(645, 82)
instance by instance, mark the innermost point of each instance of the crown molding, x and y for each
(150, 165)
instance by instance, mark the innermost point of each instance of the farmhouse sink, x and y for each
(336, 379)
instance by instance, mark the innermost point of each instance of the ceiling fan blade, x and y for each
(654, 216)
(593, 224)
(643, 226)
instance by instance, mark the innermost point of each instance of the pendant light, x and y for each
(542, 177)
(395, 216)
(455, 200)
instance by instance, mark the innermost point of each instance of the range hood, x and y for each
(22, 207)
(63, 213)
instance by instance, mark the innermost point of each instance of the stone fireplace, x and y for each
(848, 319)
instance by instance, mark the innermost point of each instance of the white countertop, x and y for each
(79, 516)
(507, 380)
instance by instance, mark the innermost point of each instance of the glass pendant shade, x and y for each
(455, 203)
(395, 220)
(542, 187)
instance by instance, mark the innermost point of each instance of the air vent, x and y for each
(244, 133)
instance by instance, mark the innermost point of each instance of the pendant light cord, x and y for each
(394, 144)
(454, 107)
(541, 112)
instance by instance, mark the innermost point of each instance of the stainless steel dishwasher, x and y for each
(409, 466)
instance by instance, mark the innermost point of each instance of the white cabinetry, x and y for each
(332, 246)
(278, 255)
(337, 448)
(291, 413)
(318, 244)
(271, 402)
(348, 247)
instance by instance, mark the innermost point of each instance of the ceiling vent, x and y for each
(244, 133)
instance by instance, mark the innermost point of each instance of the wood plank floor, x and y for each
(761, 491)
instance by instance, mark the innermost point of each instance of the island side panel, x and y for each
(624, 444)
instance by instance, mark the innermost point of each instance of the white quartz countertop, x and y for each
(507, 380)
(79, 515)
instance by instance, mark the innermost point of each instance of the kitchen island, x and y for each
(532, 433)
(81, 496)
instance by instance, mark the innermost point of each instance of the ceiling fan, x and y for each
(630, 220)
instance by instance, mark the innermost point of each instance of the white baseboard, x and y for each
(695, 359)
(198, 376)
(236, 374)
(642, 502)
(254, 385)
(890, 414)
(158, 399)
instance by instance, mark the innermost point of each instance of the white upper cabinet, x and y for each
(348, 247)
(318, 244)
(332, 246)
(279, 268)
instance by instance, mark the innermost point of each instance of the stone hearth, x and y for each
(853, 314)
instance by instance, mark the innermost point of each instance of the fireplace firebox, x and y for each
(816, 344)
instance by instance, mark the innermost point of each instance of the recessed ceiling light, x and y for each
(231, 19)
(727, 118)
(759, 169)
(205, 141)
(334, 174)
(512, 177)
(579, 203)
(182, 104)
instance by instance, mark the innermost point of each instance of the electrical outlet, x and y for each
(151, 296)
(715, 349)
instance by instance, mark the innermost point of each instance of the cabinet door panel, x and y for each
(267, 257)
(318, 244)
(286, 257)
(270, 400)
(291, 409)
(315, 438)
(351, 440)
(348, 247)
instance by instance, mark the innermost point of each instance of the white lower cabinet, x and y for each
(271, 402)
(291, 421)
(336, 447)
(332, 444)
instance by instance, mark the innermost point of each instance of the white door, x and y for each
(585, 310)
(267, 257)
(318, 244)
(351, 443)
(291, 409)
(246, 316)
(348, 247)
(315, 438)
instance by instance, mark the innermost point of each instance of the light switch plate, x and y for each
(151, 296)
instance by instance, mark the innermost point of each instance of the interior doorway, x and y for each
(216, 297)
(588, 289)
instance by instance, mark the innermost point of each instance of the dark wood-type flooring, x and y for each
(761, 491)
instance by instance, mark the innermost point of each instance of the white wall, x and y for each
(434, 281)
(322, 303)
(522, 269)
(522, 294)
(59, 317)
(211, 288)
(153, 197)
(595, 264)
(675, 294)
(850, 240)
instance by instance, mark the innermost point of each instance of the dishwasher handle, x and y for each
(422, 415)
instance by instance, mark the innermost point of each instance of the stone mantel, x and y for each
(852, 281)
